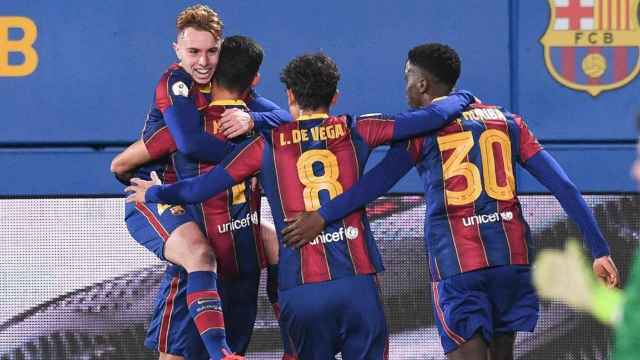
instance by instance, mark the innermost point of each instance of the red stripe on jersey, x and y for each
(620, 59)
(415, 147)
(285, 159)
(163, 98)
(529, 145)
(514, 229)
(467, 241)
(169, 175)
(218, 221)
(375, 131)
(165, 323)
(349, 168)
(151, 218)
(569, 63)
(247, 162)
(160, 143)
(199, 295)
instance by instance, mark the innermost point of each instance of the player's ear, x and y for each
(291, 100)
(335, 97)
(177, 51)
(256, 80)
(424, 84)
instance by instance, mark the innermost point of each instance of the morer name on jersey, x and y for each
(318, 133)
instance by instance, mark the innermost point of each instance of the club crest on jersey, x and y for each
(174, 209)
(180, 89)
(593, 45)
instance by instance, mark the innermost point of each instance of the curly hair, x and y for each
(439, 60)
(200, 17)
(313, 79)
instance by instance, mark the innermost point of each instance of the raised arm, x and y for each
(549, 173)
(369, 187)
(377, 129)
(240, 164)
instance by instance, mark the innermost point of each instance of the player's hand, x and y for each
(235, 122)
(606, 270)
(303, 229)
(138, 188)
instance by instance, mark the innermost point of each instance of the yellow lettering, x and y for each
(339, 131)
(283, 141)
(323, 133)
(295, 136)
(23, 46)
(304, 134)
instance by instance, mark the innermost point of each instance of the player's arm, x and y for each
(548, 172)
(264, 115)
(380, 129)
(184, 121)
(134, 156)
(245, 161)
(373, 184)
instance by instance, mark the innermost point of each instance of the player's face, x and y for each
(198, 52)
(412, 77)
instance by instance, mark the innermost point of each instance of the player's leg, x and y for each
(472, 349)
(515, 306)
(171, 330)
(363, 322)
(463, 315)
(171, 233)
(501, 347)
(310, 315)
(240, 307)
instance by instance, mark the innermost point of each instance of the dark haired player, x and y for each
(478, 242)
(302, 165)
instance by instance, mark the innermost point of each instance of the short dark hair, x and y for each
(240, 59)
(313, 79)
(439, 60)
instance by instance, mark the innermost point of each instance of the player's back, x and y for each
(305, 164)
(474, 219)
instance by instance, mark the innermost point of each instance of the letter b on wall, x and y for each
(23, 46)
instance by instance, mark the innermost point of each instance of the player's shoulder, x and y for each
(176, 80)
(479, 111)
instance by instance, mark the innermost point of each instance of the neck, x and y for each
(320, 110)
(220, 93)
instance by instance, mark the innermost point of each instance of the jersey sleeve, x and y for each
(373, 184)
(266, 114)
(175, 99)
(377, 129)
(240, 164)
(528, 144)
(549, 173)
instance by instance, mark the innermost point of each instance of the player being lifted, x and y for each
(302, 165)
(173, 233)
(479, 245)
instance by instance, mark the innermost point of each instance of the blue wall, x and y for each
(99, 61)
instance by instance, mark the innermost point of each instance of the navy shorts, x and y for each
(490, 302)
(152, 224)
(171, 329)
(344, 315)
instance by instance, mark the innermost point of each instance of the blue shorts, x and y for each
(490, 302)
(171, 329)
(344, 315)
(152, 224)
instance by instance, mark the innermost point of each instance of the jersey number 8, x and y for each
(315, 183)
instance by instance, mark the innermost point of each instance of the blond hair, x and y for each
(200, 17)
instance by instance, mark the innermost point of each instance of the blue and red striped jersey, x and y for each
(474, 219)
(230, 218)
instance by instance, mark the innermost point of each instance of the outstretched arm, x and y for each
(369, 187)
(549, 173)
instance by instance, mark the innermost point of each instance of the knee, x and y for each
(201, 255)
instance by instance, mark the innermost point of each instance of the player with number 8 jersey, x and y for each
(302, 165)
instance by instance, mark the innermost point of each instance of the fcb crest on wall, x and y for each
(593, 45)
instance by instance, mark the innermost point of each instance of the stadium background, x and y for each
(63, 243)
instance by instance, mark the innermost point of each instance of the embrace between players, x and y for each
(215, 143)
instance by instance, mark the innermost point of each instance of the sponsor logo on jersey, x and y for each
(486, 219)
(349, 233)
(251, 218)
(593, 45)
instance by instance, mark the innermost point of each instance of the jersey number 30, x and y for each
(314, 183)
(458, 165)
